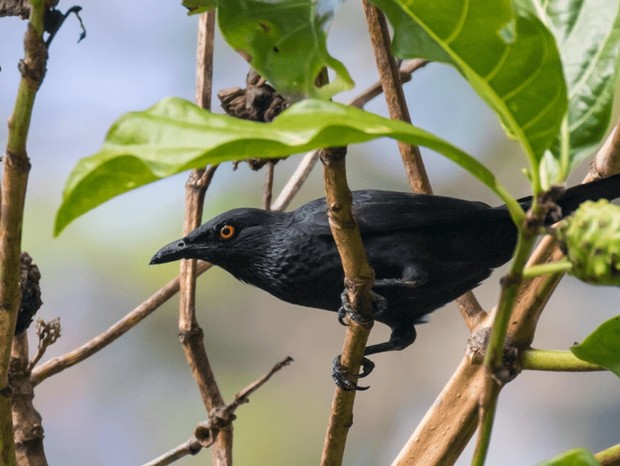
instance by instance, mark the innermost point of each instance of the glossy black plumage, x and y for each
(425, 250)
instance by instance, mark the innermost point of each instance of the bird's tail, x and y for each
(606, 188)
(569, 200)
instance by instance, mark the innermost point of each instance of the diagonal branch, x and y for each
(133, 318)
(206, 432)
(394, 95)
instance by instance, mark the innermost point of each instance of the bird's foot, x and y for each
(348, 312)
(344, 380)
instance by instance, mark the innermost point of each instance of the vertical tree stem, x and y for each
(190, 332)
(359, 279)
(14, 183)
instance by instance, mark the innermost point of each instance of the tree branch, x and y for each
(133, 318)
(609, 456)
(394, 96)
(359, 279)
(206, 432)
(14, 182)
(190, 332)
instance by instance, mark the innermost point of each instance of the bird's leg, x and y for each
(401, 337)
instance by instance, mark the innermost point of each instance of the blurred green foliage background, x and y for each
(136, 399)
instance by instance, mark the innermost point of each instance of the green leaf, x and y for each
(576, 457)
(199, 6)
(509, 57)
(175, 135)
(285, 41)
(602, 347)
(588, 35)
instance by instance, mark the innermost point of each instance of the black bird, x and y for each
(425, 250)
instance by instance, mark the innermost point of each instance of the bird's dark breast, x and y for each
(306, 268)
(309, 272)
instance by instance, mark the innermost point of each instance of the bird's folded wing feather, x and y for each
(382, 211)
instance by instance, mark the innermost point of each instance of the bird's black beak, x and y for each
(176, 250)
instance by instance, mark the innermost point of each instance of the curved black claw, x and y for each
(343, 379)
(346, 310)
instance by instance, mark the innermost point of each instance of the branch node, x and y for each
(195, 333)
(34, 65)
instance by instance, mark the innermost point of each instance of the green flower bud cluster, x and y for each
(591, 241)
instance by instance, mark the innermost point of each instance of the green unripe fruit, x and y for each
(591, 240)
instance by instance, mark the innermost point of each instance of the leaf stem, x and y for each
(555, 361)
(550, 268)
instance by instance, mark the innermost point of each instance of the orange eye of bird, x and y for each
(227, 232)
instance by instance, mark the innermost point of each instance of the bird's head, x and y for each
(233, 240)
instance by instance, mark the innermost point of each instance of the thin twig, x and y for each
(394, 95)
(408, 67)
(56, 365)
(190, 332)
(204, 60)
(296, 181)
(191, 447)
(268, 186)
(607, 160)
(471, 310)
(206, 431)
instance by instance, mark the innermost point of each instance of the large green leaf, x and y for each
(175, 135)
(602, 347)
(588, 35)
(576, 457)
(284, 40)
(507, 55)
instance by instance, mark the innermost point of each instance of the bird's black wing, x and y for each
(390, 211)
